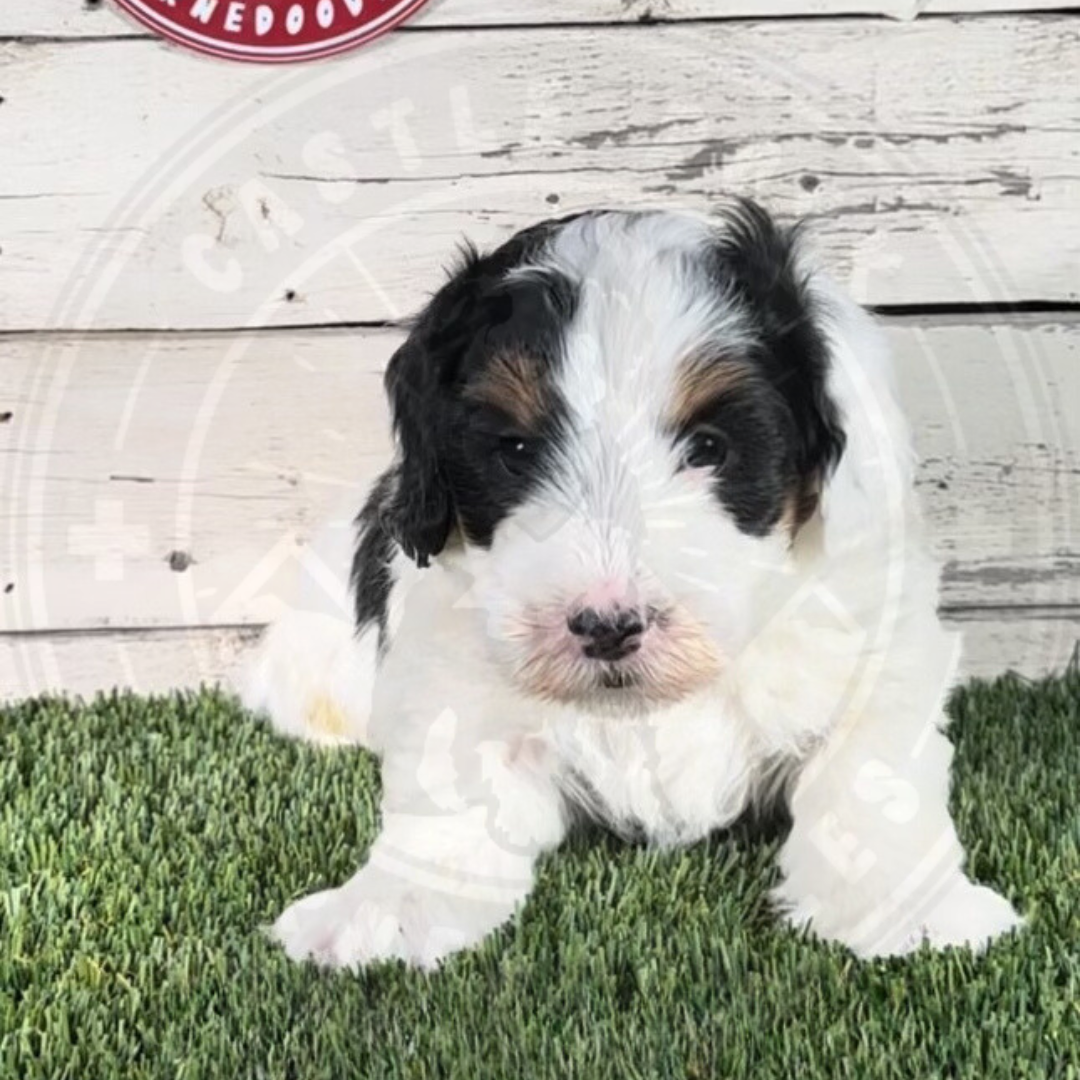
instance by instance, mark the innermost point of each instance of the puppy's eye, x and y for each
(706, 448)
(516, 452)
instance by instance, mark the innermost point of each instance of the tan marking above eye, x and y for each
(513, 383)
(699, 382)
(801, 503)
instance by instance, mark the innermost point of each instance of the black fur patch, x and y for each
(450, 467)
(756, 480)
(786, 418)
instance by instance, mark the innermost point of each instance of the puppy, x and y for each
(649, 551)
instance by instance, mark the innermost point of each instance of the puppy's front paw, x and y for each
(965, 915)
(968, 916)
(351, 927)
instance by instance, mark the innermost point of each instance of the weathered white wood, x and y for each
(146, 661)
(931, 169)
(234, 450)
(74, 18)
(158, 661)
(1032, 643)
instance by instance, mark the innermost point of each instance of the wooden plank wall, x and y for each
(201, 265)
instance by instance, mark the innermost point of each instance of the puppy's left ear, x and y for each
(764, 264)
(418, 513)
(829, 359)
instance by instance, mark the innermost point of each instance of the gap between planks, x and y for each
(1021, 312)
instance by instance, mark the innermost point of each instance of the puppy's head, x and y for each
(627, 418)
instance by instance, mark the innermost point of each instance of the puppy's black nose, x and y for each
(610, 635)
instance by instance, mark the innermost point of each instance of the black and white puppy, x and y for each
(649, 550)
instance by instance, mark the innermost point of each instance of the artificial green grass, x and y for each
(143, 842)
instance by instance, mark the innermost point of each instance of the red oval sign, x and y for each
(271, 31)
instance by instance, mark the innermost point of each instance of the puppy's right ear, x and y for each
(420, 381)
(418, 513)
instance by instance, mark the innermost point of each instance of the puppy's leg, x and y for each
(453, 862)
(873, 860)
